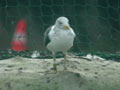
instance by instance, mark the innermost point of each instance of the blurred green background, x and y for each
(96, 22)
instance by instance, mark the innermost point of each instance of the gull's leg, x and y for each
(54, 60)
(65, 61)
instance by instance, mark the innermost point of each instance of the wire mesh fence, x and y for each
(95, 22)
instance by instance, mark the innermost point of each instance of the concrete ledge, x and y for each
(36, 74)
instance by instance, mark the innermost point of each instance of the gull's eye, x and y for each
(60, 22)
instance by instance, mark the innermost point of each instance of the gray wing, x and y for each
(46, 36)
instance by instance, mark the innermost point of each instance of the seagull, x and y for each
(59, 38)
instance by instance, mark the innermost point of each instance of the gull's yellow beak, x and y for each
(66, 27)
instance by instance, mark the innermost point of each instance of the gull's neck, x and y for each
(55, 27)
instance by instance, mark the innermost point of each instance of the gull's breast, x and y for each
(61, 41)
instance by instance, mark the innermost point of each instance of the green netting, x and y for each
(96, 23)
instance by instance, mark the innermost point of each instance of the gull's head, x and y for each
(62, 23)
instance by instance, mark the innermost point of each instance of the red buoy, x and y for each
(19, 38)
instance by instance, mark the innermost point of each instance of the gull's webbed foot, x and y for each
(55, 67)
